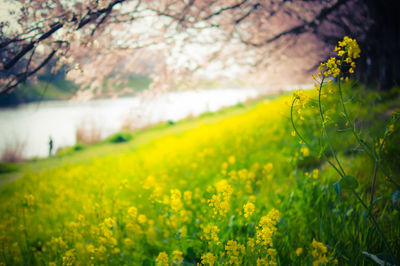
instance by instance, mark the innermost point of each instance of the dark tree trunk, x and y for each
(380, 62)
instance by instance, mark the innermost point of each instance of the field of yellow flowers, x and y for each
(242, 190)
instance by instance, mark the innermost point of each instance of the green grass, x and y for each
(178, 191)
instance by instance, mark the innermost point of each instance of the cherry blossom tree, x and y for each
(275, 42)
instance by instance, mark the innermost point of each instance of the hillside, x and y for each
(228, 188)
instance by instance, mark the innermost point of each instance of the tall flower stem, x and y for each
(308, 145)
(324, 128)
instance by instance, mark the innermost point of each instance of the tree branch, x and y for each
(55, 27)
(254, 7)
(323, 14)
(22, 77)
(223, 10)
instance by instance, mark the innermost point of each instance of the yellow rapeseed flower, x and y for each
(232, 159)
(142, 219)
(305, 151)
(29, 200)
(68, 259)
(299, 251)
(211, 234)
(220, 201)
(267, 228)
(234, 250)
(300, 97)
(208, 259)
(128, 243)
(347, 50)
(319, 251)
(162, 259)
(176, 202)
(250, 243)
(249, 209)
(187, 196)
(132, 213)
(315, 173)
(177, 257)
(109, 222)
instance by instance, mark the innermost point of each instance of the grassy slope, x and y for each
(140, 138)
(81, 207)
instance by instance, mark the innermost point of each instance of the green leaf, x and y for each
(378, 259)
(348, 182)
(231, 221)
(396, 199)
(365, 214)
(337, 188)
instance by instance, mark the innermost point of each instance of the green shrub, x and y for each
(7, 167)
(120, 137)
(68, 150)
(78, 147)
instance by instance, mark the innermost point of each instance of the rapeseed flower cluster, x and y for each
(210, 234)
(267, 227)
(305, 151)
(177, 257)
(142, 219)
(300, 97)
(176, 202)
(347, 51)
(187, 196)
(208, 259)
(264, 237)
(68, 259)
(234, 250)
(269, 258)
(319, 253)
(350, 47)
(162, 259)
(299, 251)
(249, 209)
(220, 201)
(132, 213)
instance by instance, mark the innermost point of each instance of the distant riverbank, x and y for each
(57, 89)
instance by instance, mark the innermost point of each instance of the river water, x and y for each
(29, 126)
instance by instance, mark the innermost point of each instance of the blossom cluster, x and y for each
(319, 252)
(346, 51)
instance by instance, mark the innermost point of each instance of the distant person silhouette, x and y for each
(50, 146)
